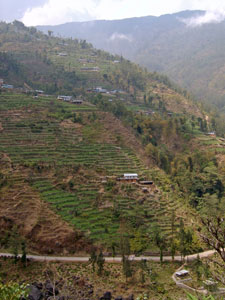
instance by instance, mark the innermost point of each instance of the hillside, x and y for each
(60, 160)
(31, 59)
(191, 56)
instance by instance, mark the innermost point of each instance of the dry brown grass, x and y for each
(46, 232)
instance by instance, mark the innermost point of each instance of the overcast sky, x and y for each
(52, 12)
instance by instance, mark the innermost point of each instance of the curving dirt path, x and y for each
(111, 259)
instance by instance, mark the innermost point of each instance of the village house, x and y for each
(114, 92)
(99, 89)
(76, 101)
(7, 86)
(212, 133)
(130, 177)
(182, 273)
(62, 54)
(39, 92)
(92, 69)
(65, 98)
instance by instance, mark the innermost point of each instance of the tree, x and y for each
(15, 243)
(143, 267)
(213, 233)
(198, 268)
(124, 245)
(125, 252)
(126, 266)
(19, 25)
(213, 229)
(160, 242)
(173, 244)
(173, 247)
(50, 32)
(24, 254)
(138, 243)
(100, 263)
(113, 247)
(93, 259)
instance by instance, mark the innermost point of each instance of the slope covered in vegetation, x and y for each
(60, 161)
(193, 56)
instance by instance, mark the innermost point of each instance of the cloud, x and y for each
(208, 17)
(120, 36)
(58, 11)
(11, 9)
(52, 12)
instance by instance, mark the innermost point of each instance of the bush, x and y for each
(13, 291)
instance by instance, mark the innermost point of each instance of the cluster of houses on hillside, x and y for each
(70, 99)
(101, 90)
(25, 89)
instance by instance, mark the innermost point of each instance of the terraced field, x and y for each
(213, 144)
(75, 173)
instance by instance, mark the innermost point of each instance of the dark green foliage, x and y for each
(160, 242)
(100, 263)
(127, 271)
(15, 243)
(24, 253)
(93, 259)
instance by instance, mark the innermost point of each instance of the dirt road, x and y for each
(111, 259)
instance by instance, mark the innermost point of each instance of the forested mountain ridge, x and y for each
(191, 56)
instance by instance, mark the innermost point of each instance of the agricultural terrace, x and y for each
(60, 149)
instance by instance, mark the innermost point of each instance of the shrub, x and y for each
(13, 291)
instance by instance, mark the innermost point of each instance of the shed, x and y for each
(145, 182)
(77, 101)
(182, 273)
(39, 91)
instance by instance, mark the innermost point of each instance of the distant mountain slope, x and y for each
(72, 66)
(194, 57)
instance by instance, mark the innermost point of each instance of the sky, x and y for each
(53, 12)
